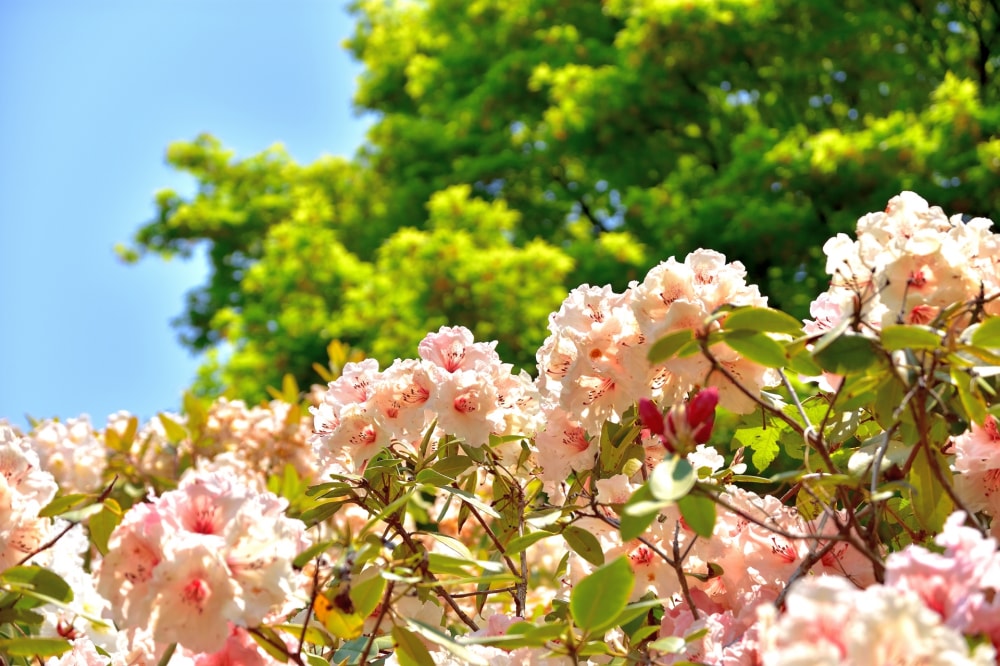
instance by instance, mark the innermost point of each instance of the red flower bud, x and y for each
(691, 423)
(701, 413)
(650, 416)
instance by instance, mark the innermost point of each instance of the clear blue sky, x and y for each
(91, 93)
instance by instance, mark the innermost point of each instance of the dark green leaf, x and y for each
(847, 354)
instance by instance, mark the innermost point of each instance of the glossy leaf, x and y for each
(757, 347)
(584, 544)
(764, 320)
(602, 596)
(847, 354)
(671, 479)
(699, 513)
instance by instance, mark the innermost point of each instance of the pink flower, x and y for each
(466, 406)
(453, 349)
(193, 597)
(563, 447)
(239, 650)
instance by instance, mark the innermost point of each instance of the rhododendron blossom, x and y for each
(24, 490)
(600, 512)
(196, 559)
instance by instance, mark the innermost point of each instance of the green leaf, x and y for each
(65, 503)
(447, 642)
(350, 652)
(910, 336)
(517, 544)
(764, 443)
(602, 596)
(665, 348)
(801, 361)
(367, 594)
(698, 512)
(584, 544)
(472, 500)
(453, 466)
(846, 354)
(987, 334)
(37, 582)
(103, 523)
(309, 553)
(270, 641)
(931, 505)
(672, 478)
(668, 645)
(33, 646)
(432, 477)
(175, 431)
(974, 406)
(763, 320)
(639, 512)
(757, 347)
(320, 512)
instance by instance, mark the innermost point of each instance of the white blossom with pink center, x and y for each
(72, 452)
(562, 447)
(24, 490)
(593, 363)
(190, 562)
(193, 596)
(977, 461)
(959, 584)
(401, 397)
(453, 348)
(678, 296)
(466, 405)
(829, 621)
(910, 262)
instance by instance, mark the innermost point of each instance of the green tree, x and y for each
(526, 146)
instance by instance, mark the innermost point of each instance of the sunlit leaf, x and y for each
(764, 320)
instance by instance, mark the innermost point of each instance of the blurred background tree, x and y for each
(523, 147)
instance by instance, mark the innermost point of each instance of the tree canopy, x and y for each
(524, 147)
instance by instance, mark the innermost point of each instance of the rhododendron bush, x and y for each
(691, 477)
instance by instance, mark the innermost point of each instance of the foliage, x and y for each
(612, 134)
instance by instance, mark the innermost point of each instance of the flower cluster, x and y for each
(907, 265)
(72, 452)
(459, 384)
(196, 561)
(24, 490)
(593, 366)
(930, 603)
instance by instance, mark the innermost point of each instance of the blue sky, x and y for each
(91, 94)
